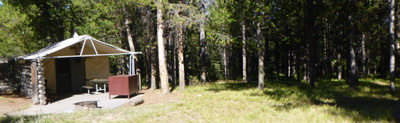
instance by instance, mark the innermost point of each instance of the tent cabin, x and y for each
(65, 66)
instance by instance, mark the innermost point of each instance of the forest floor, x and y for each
(281, 101)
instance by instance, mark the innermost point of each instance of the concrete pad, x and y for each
(67, 105)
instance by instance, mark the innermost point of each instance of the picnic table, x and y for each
(98, 82)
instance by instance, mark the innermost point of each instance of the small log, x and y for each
(41, 77)
(137, 101)
(41, 87)
(42, 102)
(42, 97)
(41, 82)
(42, 92)
(34, 82)
(40, 73)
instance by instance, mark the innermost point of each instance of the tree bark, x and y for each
(312, 48)
(392, 46)
(353, 67)
(364, 55)
(128, 32)
(352, 64)
(225, 64)
(277, 60)
(339, 70)
(260, 58)
(244, 51)
(267, 58)
(161, 49)
(203, 47)
(152, 51)
(153, 68)
(181, 60)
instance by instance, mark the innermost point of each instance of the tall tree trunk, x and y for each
(364, 55)
(161, 49)
(267, 58)
(392, 46)
(203, 47)
(352, 63)
(171, 60)
(260, 58)
(152, 51)
(291, 66)
(180, 59)
(277, 60)
(128, 32)
(339, 69)
(298, 60)
(153, 68)
(306, 74)
(225, 64)
(310, 20)
(244, 51)
(353, 67)
(148, 64)
(203, 53)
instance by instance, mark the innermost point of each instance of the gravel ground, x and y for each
(66, 105)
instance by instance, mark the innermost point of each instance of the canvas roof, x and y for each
(80, 46)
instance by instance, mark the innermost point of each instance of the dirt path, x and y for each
(12, 103)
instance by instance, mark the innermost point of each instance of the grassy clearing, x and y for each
(281, 101)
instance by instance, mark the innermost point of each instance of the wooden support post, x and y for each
(34, 76)
(41, 83)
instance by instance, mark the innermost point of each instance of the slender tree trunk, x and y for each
(291, 66)
(260, 58)
(285, 61)
(339, 70)
(203, 46)
(392, 46)
(266, 54)
(298, 60)
(153, 52)
(128, 32)
(148, 65)
(364, 55)
(153, 68)
(225, 64)
(305, 69)
(310, 20)
(180, 60)
(171, 64)
(203, 50)
(353, 67)
(161, 49)
(277, 59)
(244, 51)
(352, 64)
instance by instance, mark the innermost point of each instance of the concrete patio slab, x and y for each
(67, 105)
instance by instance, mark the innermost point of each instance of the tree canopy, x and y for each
(220, 39)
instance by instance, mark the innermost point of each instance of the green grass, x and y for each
(281, 101)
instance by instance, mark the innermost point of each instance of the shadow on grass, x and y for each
(236, 86)
(13, 119)
(371, 101)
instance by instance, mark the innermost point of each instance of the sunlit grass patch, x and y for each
(280, 101)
